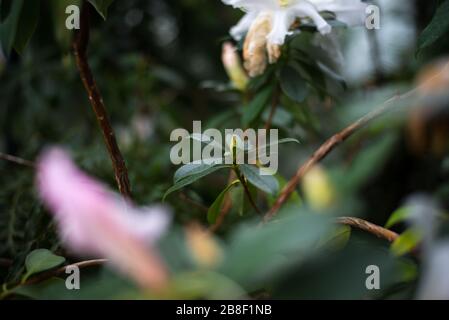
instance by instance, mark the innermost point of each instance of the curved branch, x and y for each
(17, 160)
(56, 272)
(327, 147)
(368, 227)
(227, 206)
(274, 105)
(80, 45)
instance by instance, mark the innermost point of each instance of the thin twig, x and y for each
(274, 105)
(327, 147)
(56, 272)
(17, 160)
(227, 206)
(368, 227)
(50, 274)
(246, 189)
(185, 198)
(80, 45)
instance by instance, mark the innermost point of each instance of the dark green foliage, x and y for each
(157, 64)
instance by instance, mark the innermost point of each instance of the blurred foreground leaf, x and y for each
(406, 242)
(400, 215)
(257, 253)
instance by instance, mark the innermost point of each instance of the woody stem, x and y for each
(245, 187)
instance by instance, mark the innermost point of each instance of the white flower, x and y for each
(267, 23)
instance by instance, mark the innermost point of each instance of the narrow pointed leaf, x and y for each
(215, 208)
(190, 179)
(266, 183)
(193, 169)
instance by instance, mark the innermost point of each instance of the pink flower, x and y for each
(94, 221)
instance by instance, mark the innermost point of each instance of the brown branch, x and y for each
(227, 206)
(80, 45)
(246, 189)
(56, 272)
(17, 160)
(53, 273)
(327, 147)
(274, 105)
(368, 227)
(185, 198)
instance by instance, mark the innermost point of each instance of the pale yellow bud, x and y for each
(233, 66)
(274, 52)
(204, 249)
(318, 189)
(256, 49)
(255, 45)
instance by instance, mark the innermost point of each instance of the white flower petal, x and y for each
(306, 9)
(282, 20)
(253, 4)
(351, 12)
(242, 27)
(434, 283)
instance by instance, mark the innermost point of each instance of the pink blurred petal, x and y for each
(94, 221)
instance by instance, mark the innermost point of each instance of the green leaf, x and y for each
(101, 6)
(27, 24)
(204, 284)
(362, 168)
(337, 238)
(192, 168)
(292, 84)
(266, 183)
(256, 106)
(256, 83)
(438, 27)
(406, 242)
(52, 288)
(204, 138)
(8, 27)
(398, 216)
(238, 200)
(41, 260)
(191, 179)
(255, 254)
(215, 208)
(286, 140)
(279, 142)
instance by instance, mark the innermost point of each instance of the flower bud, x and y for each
(233, 66)
(318, 189)
(204, 248)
